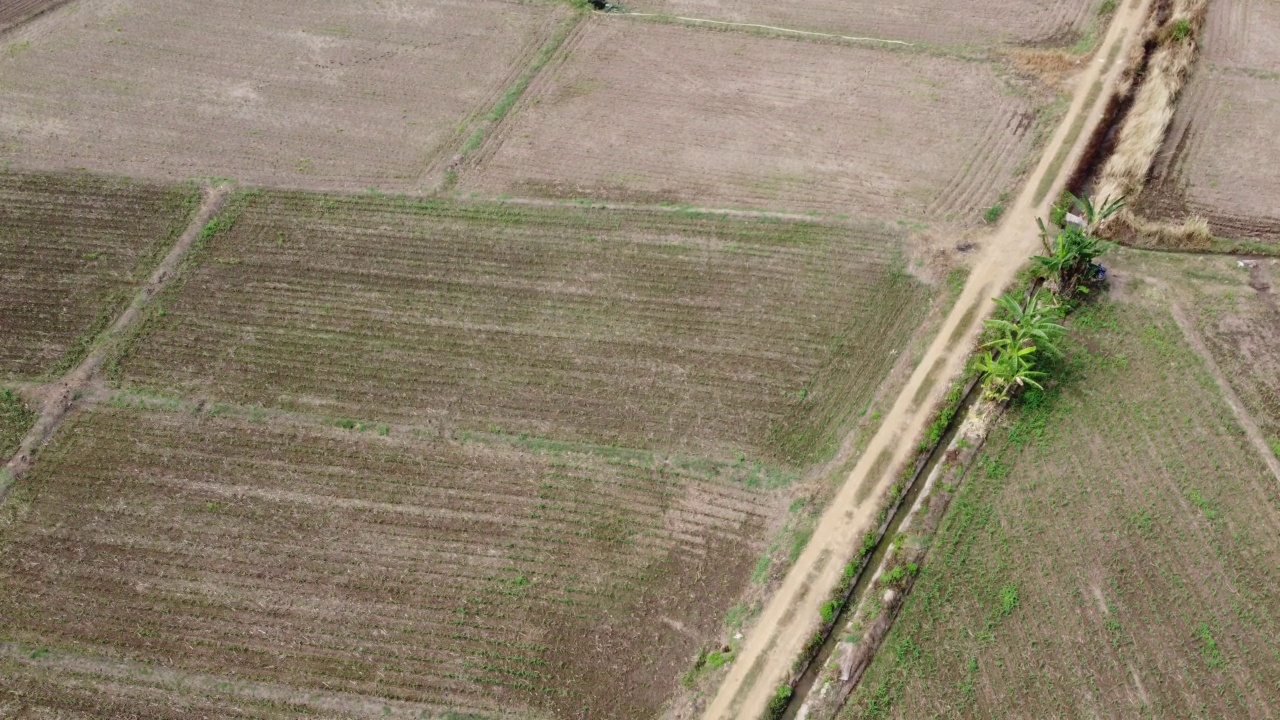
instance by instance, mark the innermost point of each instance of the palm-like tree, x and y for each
(1009, 360)
(1068, 259)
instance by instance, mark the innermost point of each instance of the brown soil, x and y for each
(632, 110)
(718, 335)
(14, 12)
(1215, 161)
(927, 21)
(483, 573)
(325, 94)
(75, 249)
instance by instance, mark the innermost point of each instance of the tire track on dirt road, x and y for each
(778, 636)
(59, 397)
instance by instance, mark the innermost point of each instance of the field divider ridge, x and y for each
(59, 397)
(775, 28)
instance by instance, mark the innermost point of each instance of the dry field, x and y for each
(713, 335)
(73, 249)
(1220, 159)
(487, 572)
(13, 12)
(926, 21)
(1115, 552)
(326, 93)
(648, 112)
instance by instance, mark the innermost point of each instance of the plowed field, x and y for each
(73, 249)
(489, 573)
(663, 113)
(1220, 160)
(928, 21)
(646, 329)
(1115, 552)
(326, 93)
(13, 12)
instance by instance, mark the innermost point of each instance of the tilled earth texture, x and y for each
(319, 94)
(921, 21)
(1220, 159)
(646, 112)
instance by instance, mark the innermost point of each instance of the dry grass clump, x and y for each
(1144, 128)
(1192, 234)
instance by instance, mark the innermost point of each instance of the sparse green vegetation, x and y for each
(16, 417)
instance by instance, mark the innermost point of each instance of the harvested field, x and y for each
(924, 21)
(490, 573)
(709, 334)
(13, 12)
(1113, 553)
(75, 249)
(649, 112)
(1219, 159)
(327, 93)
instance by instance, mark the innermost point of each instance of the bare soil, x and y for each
(1220, 160)
(926, 21)
(13, 12)
(75, 249)
(487, 572)
(327, 94)
(649, 112)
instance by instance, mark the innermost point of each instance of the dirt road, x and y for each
(779, 634)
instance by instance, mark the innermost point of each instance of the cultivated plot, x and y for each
(927, 21)
(1114, 551)
(649, 112)
(486, 572)
(73, 250)
(716, 335)
(1220, 159)
(327, 94)
(13, 12)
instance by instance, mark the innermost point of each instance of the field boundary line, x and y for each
(58, 398)
(775, 28)
(1197, 343)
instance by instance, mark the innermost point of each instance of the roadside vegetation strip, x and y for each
(724, 336)
(489, 571)
(1182, 516)
(75, 248)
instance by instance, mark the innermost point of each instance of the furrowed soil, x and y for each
(75, 248)
(923, 21)
(16, 418)
(712, 335)
(647, 112)
(1220, 160)
(13, 12)
(1114, 551)
(480, 573)
(323, 94)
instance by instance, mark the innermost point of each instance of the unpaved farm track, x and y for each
(784, 626)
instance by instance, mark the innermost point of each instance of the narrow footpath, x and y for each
(776, 639)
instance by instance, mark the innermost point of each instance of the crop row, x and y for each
(427, 570)
(75, 247)
(646, 330)
(1116, 541)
